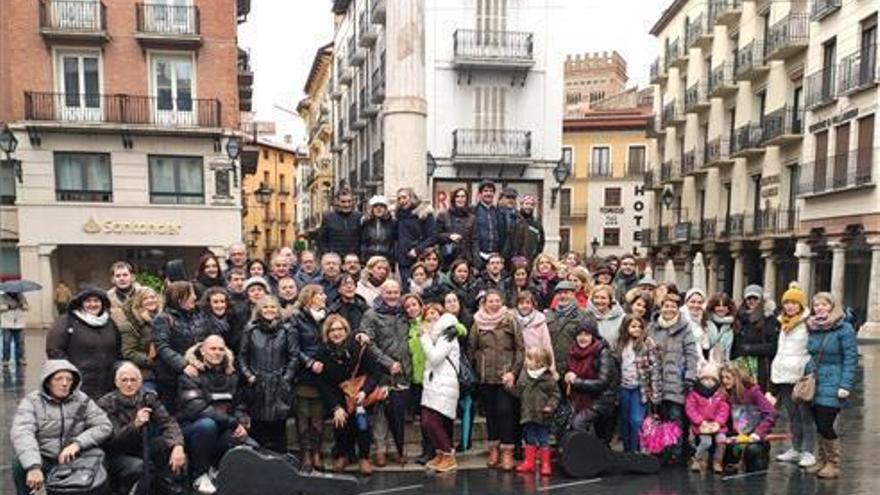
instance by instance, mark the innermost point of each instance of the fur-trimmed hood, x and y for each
(194, 357)
(420, 209)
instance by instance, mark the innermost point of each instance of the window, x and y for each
(636, 165)
(265, 154)
(600, 161)
(611, 236)
(613, 196)
(79, 83)
(83, 177)
(490, 107)
(565, 202)
(568, 159)
(176, 179)
(173, 87)
(564, 240)
(7, 183)
(280, 157)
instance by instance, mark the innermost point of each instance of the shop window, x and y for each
(611, 237)
(83, 177)
(176, 179)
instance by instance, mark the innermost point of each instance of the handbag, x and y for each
(84, 475)
(353, 386)
(464, 372)
(563, 415)
(804, 389)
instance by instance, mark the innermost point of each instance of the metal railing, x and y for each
(747, 137)
(721, 79)
(492, 143)
(858, 70)
(791, 31)
(674, 51)
(823, 8)
(820, 87)
(165, 19)
(494, 46)
(724, 8)
(658, 70)
(377, 83)
(123, 109)
(696, 97)
(664, 234)
(672, 113)
(647, 237)
(650, 180)
(717, 150)
(692, 161)
(635, 168)
(847, 171)
(784, 121)
(707, 228)
(378, 164)
(750, 59)
(670, 171)
(84, 196)
(682, 232)
(770, 221)
(696, 28)
(75, 16)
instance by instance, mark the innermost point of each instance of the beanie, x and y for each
(795, 294)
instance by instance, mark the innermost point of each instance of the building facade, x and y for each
(592, 77)
(604, 204)
(269, 198)
(742, 163)
(122, 112)
(487, 95)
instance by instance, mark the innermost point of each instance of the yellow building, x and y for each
(268, 197)
(316, 176)
(603, 203)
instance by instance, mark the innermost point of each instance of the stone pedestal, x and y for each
(738, 275)
(805, 267)
(838, 265)
(871, 328)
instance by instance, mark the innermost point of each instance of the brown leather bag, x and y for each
(804, 389)
(353, 386)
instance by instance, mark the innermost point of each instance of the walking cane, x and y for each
(145, 476)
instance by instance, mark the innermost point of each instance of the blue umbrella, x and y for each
(19, 286)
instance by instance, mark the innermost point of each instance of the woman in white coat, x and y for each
(440, 389)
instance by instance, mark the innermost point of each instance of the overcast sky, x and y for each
(283, 36)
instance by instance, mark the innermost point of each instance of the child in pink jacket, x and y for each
(708, 410)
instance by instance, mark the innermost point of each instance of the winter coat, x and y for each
(440, 379)
(497, 351)
(118, 300)
(486, 231)
(340, 233)
(608, 322)
(174, 332)
(307, 333)
(530, 236)
(126, 437)
(707, 405)
(268, 355)
(378, 236)
(43, 426)
(214, 393)
(416, 230)
(837, 367)
(623, 284)
(459, 221)
(353, 311)
(679, 358)
(508, 242)
(648, 362)
(220, 325)
(202, 283)
(486, 283)
(12, 311)
(562, 332)
(757, 338)
(238, 310)
(791, 353)
(136, 335)
(303, 278)
(535, 394)
(536, 334)
(340, 364)
(600, 391)
(92, 349)
(466, 292)
(542, 289)
(754, 414)
(720, 338)
(389, 334)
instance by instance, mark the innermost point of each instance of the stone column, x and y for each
(805, 266)
(405, 109)
(838, 265)
(871, 328)
(712, 275)
(36, 265)
(738, 275)
(769, 273)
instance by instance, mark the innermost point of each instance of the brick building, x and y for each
(592, 77)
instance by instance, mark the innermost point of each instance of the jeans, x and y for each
(501, 410)
(536, 434)
(825, 417)
(704, 443)
(800, 420)
(206, 442)
(438, 429)
(632, 414)
(13, 336)
(466, 413)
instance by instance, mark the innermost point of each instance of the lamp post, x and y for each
(233, 150)
(8, 144)
(561, 173)
(263, 194)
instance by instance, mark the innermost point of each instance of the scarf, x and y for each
(267, 325)
(566, 310)
(318, 314)
(789, 323)
(707, 392)
(582, 362)
(525, 320)
(821, 323)
(613, 311)
(384, 308)
(664, 323)
(535, 374)
(486, 321)
(92, 320)
(210, 282)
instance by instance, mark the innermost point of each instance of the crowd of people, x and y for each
(401, 316)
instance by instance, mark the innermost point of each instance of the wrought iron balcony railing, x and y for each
(167, 19)
(496, 143)
(493, 48)
(782, 125)
(73, 16)
(823, 8)
(788, 36)
(820, 87)
(163, 110)
(858, 71)
(840, 172)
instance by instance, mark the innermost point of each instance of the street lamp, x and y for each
(430, 164)
(667, 198)
(233, 150)
(263, 193)
(561, 173)
(8, 144)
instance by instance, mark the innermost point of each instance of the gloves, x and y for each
(450, 333)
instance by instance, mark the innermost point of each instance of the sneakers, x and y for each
(204, 485)
(807, 460)
(792, 455)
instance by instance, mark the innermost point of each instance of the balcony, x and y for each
(345, 131)
(726, 12)
(823, 8)
(670, 171)
(344, 73)
(493, 49)
(368, 108)
(858, 71)
(732, 226)
(707, 229)
(820, 88)
(377, 12)
(73, 21)
(368, 33)
(783, 126)
(673, 114)
(651, 181)
(700, 33)
(692, 162)
(658, 71)
(747, 140)
(664, 234)
(377, 82)
(491, 145)
(770, 222)
(696, 98)
(245, 81)
(95, 108)
(355, 121)
(717, 153)
(162, 25)
(356, 54)
(682, 232)
(750, 63)
(676, 54)
(788, 37)
(849, 171)
(721, 82)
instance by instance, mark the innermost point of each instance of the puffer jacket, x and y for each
(679, 358)
(126, 437)
(497, 351)
(757, 338)
(535, 394)
(459, 221)
(562, 332)
(92, 347)
(836, 368)
(174, 332)
(648, 371)
(416, 230)
(791, 352)
(707, 405)
(753, 414)
(440, 378)
(378, 236)
(214, 393)
(340, 233)
(307, 333)
(269, 355)
(136, 335)
(389, 334)
(43, 426)
(623, 284)
(608, 322)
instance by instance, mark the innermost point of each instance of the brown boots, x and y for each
(492, 460)
(831, 469)
(507, 460)
(445, 462)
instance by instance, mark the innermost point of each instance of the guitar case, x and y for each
(583, 455)
(248, 470)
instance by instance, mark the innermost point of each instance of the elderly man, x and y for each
(132, 410)
(237, 257)
(53, 425)
(331, 269)
(279, 268)
(351, 265)
(308, 272)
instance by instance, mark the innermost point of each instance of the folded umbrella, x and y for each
(19, 286)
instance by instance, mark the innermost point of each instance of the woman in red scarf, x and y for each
(592, 380)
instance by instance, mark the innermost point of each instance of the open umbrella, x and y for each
(19, 286)
(699, 273)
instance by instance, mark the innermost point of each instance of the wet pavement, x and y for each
(859, 427)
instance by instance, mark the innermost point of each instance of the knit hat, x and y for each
(795, 294)
(565, 285)
(256, 281)
(709, 369)
(647, 280)
(753, 290)
(694, 291)
(589, 326)
(378, 200)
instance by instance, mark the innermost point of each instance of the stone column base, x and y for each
(870, 332)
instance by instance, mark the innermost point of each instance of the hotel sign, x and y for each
(131, 227)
